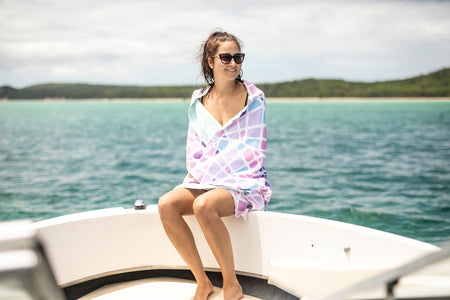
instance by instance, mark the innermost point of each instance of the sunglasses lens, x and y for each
(225, 58)
(239, 58)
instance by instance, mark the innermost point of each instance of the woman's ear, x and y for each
(210, 62)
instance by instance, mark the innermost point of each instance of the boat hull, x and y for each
(298, 254)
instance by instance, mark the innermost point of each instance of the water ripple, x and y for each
(378, 164)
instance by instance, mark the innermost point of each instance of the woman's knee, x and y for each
(203, 208)
(167, 205)
(216, 203)
(175, 202)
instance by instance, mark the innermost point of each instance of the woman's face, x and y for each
(225, 71)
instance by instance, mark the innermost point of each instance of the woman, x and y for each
(225, 155)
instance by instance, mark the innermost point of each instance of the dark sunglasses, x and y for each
(225, 58)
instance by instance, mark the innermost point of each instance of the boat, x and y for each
(123, 253)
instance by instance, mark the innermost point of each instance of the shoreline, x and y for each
(355, 99)
(268, 99)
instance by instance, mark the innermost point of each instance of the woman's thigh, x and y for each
(179, 200)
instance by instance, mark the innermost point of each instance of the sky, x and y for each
(156, 42)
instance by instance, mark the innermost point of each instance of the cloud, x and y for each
(156, 42)
(360, 38)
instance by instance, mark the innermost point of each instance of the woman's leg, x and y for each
(172, 206)
(209, 208)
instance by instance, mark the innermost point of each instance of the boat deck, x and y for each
(152, 288)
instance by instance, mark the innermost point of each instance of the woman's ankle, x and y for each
(204, 289)
(232, 291)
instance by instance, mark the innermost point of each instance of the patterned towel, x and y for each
(233, 158)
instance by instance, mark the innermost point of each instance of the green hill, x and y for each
(90, 91)
(435, 84)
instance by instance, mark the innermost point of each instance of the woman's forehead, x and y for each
(229, 47)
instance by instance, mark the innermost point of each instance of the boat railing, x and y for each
(25, 272)
(390, 280)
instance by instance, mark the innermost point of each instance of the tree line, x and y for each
(436, 84)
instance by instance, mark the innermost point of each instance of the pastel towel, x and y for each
(230, 156)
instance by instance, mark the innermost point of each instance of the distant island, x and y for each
(436, 84)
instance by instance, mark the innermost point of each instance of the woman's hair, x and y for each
(209, 49)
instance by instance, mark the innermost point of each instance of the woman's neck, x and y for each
(226, 88)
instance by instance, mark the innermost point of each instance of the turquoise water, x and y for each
(384, 165)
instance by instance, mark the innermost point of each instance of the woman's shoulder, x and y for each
(197, 94)
(253, 90)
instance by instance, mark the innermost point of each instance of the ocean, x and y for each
(381, 164)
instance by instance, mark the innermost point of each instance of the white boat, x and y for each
(122, 253)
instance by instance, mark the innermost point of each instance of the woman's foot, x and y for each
(203, 291)
(233, 292)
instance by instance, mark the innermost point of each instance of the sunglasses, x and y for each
(225, 58)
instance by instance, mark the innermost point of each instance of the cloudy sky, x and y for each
(155, 42)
